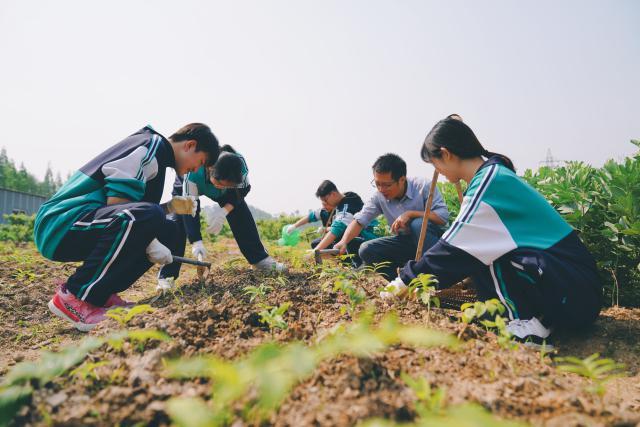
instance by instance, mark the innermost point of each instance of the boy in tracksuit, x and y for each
(227, 184)
(336, 214)
(108, 216)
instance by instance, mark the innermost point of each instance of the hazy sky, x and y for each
(310, 90)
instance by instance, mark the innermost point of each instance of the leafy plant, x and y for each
(476, 310)
(273, 316)
(598, 370)
(429, 401)
(422, 287)
(505, 339)
(138, 337)
(124, 315)
(259, 291)
(354, 294)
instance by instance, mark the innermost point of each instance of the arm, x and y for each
(326, 241)
(403, 220)
(302, 221)
(352, 231)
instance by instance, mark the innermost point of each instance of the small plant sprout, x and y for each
(273, 316)
(597, 370)
(88, 370)
(429, 401)
(258, 292)
(499, 324)
(124, 315)
(475, 310)
(355, 295)
(422, 287)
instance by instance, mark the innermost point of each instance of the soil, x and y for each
(215, 317)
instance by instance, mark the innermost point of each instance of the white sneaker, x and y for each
(393, 289)
(165, 284)
(270, 265)
(531, 332)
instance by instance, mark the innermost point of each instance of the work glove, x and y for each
(393, 289)
(183, 205)
(215, 219)
(158, 253)
(289, 228)
(322, 229)
(198, 250)
(165, 284)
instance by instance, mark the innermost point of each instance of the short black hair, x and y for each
(391, 163)
(204, 137)
(325, 188)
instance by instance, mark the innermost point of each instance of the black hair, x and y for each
(228, 167)
(325, 188)
(454, 135)
(391, 163)
(205, 139)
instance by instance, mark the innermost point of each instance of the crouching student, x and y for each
(509, 240)
(108, 216)
(337, 213)
(402, 200)
(227, 184)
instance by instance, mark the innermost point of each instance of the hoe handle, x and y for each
(425, 218)
(191, 261)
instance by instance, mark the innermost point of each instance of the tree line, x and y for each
(19, 179)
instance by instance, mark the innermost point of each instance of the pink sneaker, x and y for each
(83, 315)
(115, 301)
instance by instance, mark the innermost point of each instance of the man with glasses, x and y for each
(402, 201)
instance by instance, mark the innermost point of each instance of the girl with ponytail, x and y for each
(508, 239)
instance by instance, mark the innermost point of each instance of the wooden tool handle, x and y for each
(425, 219)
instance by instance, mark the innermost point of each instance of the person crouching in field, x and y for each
(337, 213)
(227, 184)
(402, 200)
(509, 240)
(108, 216)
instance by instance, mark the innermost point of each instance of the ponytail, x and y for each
(458, 138)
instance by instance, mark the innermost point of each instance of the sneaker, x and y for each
(82, 315)
(165, 284)
(270, 265)
(531, 332)
(115, 301)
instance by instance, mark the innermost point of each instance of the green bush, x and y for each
(271, 229)
(603, 205)
(17, 228)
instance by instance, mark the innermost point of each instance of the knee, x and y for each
(416, 226)
(366, 252)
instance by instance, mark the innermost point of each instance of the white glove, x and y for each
(183, 205)
(158, 253)
(289, 228)
(198, 250)
(393, 289)
(215, 218)
(321, 229)
(165, 284)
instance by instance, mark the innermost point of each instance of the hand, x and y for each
(289, 228)
(198, 250)
(215, 225)
(158, 253)
(215, 217)
(401, 222)
(183, 205)
(341, 246)
(165, 284)
(321, 229)
(394, 289)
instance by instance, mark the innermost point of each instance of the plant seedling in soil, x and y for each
(598, 370)
(429, 401)
(257, 291)
(499, 324)
(124, 315)
(355, 295)
(475, 310)
(422, 287)
(88, 370)
(273, 316)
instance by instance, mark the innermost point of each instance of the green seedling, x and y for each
(124, 315)
(597, 370)
(499, 324)
(429, 401)
(138, 337)
(422, 287)
(273, 316)
(475, 310)
(355, 295)
(88, 370)
(257, 291)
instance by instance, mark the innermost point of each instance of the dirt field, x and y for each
(130, 385)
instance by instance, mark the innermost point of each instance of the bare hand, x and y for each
(401, 222)
(341, 246)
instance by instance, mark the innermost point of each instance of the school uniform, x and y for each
(515, 247)
(77, 225)
(241, 222)
(344, 214)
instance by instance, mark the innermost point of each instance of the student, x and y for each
(107, 215)
(227, 183)
(509, 240)
(402, 200)
(337, 213)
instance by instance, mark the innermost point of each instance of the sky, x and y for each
(313, 90)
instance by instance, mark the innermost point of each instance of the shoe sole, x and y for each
(83, 327)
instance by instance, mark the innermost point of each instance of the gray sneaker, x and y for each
(270, 265)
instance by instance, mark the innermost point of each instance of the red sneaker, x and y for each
(115, 301)
(83, 315)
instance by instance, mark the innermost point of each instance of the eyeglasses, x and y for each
(383, 185)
